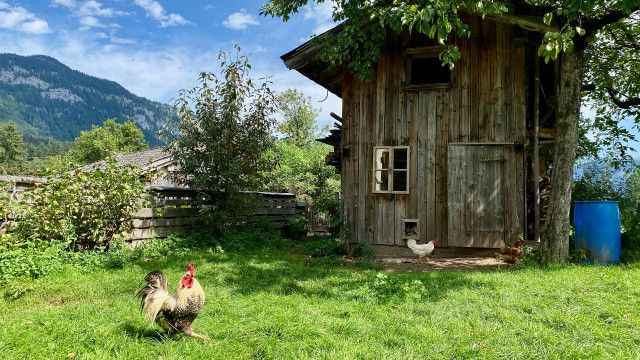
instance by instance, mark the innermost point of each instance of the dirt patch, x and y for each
(443, 264)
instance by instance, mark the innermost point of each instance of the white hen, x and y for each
(421, 250)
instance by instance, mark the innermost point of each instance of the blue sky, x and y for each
(156, 47)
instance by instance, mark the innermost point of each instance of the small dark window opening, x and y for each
(411, 230)
(428, 71)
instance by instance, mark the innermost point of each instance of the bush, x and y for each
(24, 262)
(322, 246)
(296, 229)
(83, 209)
(529, 258)
(5, 204)
(365, 257)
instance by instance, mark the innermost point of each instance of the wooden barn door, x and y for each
(485, 194)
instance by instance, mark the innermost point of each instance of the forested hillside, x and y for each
(48, 100)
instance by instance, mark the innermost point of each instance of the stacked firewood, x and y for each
(544, 184)
(545, 190)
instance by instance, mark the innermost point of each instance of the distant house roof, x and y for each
(145, 160)
(24, 179)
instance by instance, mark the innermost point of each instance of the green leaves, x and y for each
(107, 140)
(555, 43)
(80, 209)
(299, 123)
(12, 148)
(224, 130)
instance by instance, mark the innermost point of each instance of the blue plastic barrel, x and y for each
(597, 230)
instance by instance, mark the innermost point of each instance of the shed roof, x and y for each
(306, 61)
(145, 160)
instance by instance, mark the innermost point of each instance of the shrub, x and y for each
(82, 209)
(297, 228)
(5, 205)
(322, 246)
(529, 258)
(27, 263)
(365, 257)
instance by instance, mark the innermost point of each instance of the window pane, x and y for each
(400, 158)
(382, 180)
(400, 180)
(425, 71)
(382, 159)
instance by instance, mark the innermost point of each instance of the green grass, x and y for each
(273, 303)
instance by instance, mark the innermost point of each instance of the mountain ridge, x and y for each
(49, 100)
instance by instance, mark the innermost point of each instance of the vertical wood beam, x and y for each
(536, 151)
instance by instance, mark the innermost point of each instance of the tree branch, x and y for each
(598, 23)
(522, 7)
(623, 104)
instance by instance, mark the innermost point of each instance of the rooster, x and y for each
(421, 249)
(173, 313)
(510, 255)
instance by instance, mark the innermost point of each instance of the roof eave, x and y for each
(304, 58)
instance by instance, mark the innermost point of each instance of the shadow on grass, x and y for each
(283, 271)
(144, 333)
(294, 275)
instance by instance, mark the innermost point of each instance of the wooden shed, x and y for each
(431, 153)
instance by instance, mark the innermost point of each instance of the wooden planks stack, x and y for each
(174, 210)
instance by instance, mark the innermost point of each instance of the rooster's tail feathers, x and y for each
(154, 296)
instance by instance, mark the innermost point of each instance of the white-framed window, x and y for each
(391, 169)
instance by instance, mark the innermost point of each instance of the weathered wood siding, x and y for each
(175, 210)
(484, 103)
(484, 195)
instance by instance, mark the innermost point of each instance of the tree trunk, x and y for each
(555, 238)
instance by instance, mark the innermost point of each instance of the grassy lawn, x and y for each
(274, 303)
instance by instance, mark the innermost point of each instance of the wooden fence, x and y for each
(173, 210)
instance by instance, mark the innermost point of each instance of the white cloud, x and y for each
(321, 14)
(156, 11)
(20, 19)
(240, 20)
(122, 40)
(94, 8)
(37, 26)
(89, 12)
(91, 21)
(67, 3)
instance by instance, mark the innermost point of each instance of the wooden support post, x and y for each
(536, 151)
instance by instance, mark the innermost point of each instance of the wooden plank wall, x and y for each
(173, 211)
(484, 103)
(482, 200)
